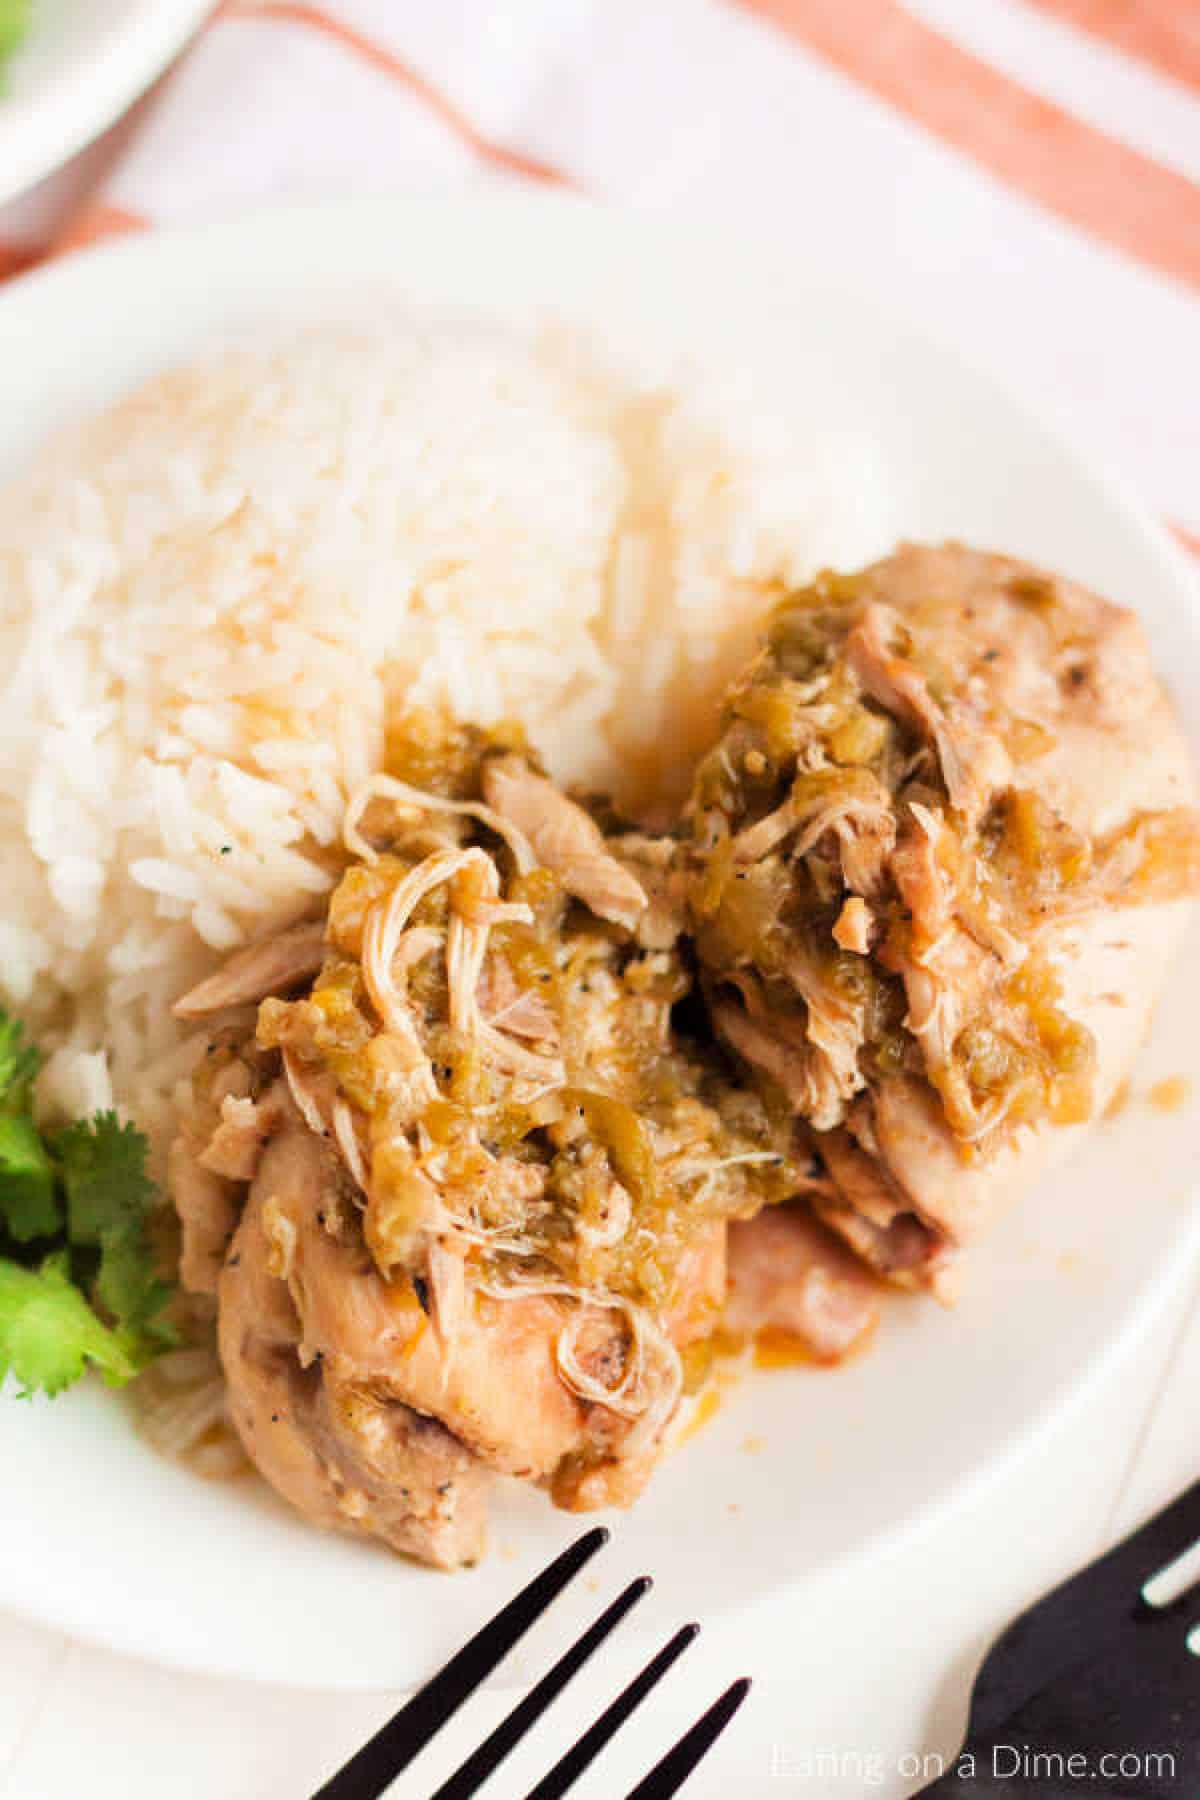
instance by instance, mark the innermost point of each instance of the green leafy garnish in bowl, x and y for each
(79, 1279)
(14, 23)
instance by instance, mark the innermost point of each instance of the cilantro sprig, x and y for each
(79, 1282)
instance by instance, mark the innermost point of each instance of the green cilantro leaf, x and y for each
(86, 1189)
(48, 1332)
(19, 1064)
(103, 1167)
(109, 1200)
(129, 1287)
(28, 1204)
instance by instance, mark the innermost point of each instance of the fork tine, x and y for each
(470, 1776)
(569, 1768)
(368, 1773)
(668, 1776)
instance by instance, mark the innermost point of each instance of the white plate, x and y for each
(82, 64)
(123, 1548)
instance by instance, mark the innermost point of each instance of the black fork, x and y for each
(1096, 1672)
(370, 1772)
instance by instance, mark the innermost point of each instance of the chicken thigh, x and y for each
(939, 860)
(464, 1195)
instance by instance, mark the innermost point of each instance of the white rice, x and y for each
(206, 593)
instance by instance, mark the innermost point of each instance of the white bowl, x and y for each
(82, 64)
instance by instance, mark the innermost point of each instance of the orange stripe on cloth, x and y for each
(1070, 168)
(95, 223)
(1189, 539)
(294, 12)
(1163, 33)
(17, 256)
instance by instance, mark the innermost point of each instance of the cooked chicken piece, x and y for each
(207, 1206)
(272, 966)
(489, 1374)
(788, 1273)
(245, 1125)
(1125, 954)
(975, 764)
(343, 1451)
(653, 863)
(874, 1215)
(950, 814)
(505, 1004)
(496, 1186)
(565, 839)
(805, 1079)
(216, 1148)
(304, 1309)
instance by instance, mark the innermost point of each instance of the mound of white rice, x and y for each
(206, 593)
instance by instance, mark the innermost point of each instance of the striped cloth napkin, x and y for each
(1021, 175)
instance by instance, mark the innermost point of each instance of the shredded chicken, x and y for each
(507, 1006)
(545, 1099)
(564, 839)
(804, 1077)
(876, 1218)
(937, 773)
(974, 762)
(490, 1185)
(270, 967)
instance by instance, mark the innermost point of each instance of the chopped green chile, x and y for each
(601, 1173)
(627, 1141)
